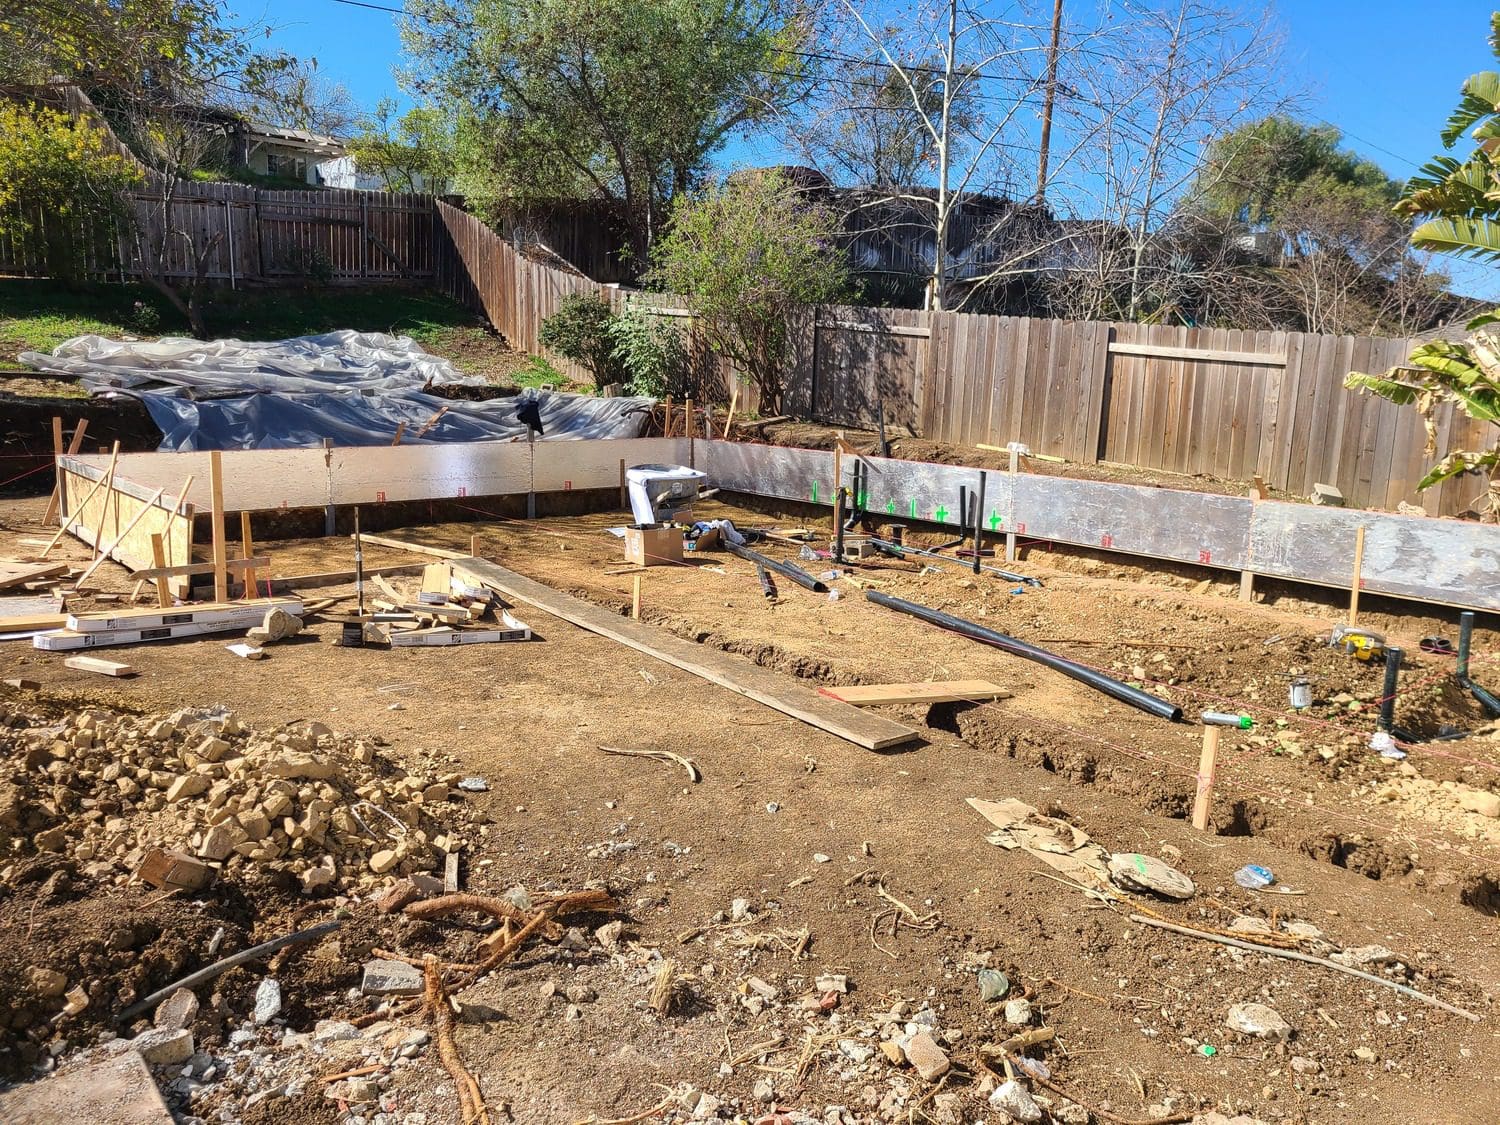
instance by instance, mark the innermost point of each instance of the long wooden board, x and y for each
(941, 691)
(723, 669)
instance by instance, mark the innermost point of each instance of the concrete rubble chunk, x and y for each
(1259, 1020)
(390, 978)
(46, 983)
(267, 1001)
(930, 1060)
(177, 1011)
(164, 1046)
(1013, 1098)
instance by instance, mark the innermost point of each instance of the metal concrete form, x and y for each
(264, 479)
(1450, 562)
(1446, 561)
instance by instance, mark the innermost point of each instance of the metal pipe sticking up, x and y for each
(838, 521)
(1486, 699)
(900, 549)
(1388, 689)
(1145, 701)
(786, 570)
(978, 525)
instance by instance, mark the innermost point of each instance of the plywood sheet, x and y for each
(116, 507)
(378, 473)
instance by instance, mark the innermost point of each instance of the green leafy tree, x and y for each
(622, 100)
(412, 152)
(747, 255)
(62, 185)
(580, 330)
(649, 349)
(1461, 204)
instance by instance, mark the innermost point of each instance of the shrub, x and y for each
(579, 330)
(649, 350)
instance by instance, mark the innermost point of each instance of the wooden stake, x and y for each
(734, 400)
(159, 559)
(221, 546)
(687, 417)
(248, 576)
(109, 487)
(1207, 764)
(1359, 566)
(400, 430)
(635, 599)
(666, 428)
(838, 479)
(57, 448)
(474, 547)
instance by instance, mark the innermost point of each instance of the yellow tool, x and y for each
(1362, 644)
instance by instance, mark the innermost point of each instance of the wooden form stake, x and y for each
(624, 495)
(1207, 765)
(248, 575)
(55, 505)
(221, 545)
(159, 559)
(666, 427)
(687, 417)
(474, 547)
(57, 448)
(400, 431)
(109, 488)
(635, 599)
(1359, 566)
(734, 399)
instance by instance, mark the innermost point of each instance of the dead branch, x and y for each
(1102, 1114)
(688, 764)
(660, 1107)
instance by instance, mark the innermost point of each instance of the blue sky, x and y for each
(1355, 57)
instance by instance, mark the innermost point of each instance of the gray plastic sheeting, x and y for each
(351, 388)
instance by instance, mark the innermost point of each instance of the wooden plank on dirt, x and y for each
(98, 666)
(416, 548)
(727, 671)
(19, 573)
(151, 574)
(939, 691)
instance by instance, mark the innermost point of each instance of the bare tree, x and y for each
(164, 243)
(1126, 104)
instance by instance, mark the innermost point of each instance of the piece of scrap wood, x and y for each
(102, 667)
(940, 691)
(247, 651)
(20, 683)
(450, 873)
(781, 693)
(661, 756)
(18, 573)
(418, 548)
(181, 570)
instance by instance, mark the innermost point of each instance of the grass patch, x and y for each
(38, 315)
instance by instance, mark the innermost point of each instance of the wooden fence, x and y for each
(1196, 401)
(256, 236)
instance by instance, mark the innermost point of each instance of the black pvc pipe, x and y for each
(1388, 689)
(900, 551)
(838, 522)
(1465, 639)
(1143, 700)
(978, 524)
(1486, 700)
(786, 570)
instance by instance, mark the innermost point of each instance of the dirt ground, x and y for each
(800, 824)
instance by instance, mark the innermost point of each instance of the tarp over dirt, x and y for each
(352, 388)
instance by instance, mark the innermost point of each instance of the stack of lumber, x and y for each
(133, 626)
(449, 608)
(30, 597)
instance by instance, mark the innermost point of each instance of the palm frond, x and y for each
(1481, 97)
(1392, 390)
(1469, 237)
(1445, 186)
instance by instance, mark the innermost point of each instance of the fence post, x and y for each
(364, 236)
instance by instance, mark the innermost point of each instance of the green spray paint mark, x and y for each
(913, 509)
(940, 513)
(890, 507)
(814, 492)
(995, 520)
(862, 501)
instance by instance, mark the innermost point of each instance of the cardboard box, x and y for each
(653, 545)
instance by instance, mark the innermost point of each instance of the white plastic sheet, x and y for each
(353, 388)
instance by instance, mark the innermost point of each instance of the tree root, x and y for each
(436, 1008)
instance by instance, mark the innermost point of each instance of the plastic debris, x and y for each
(993, 984)
(1253, 877)
(1383, 744)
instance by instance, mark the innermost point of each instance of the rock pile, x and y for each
(327, 810)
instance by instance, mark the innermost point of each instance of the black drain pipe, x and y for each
(1488, 701)
(1145, 701)
(978, 523)
(1388, 689)
(786, 570)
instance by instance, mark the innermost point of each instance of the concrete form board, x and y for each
(1452, 561)
(560, 466)
(1194, 527)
